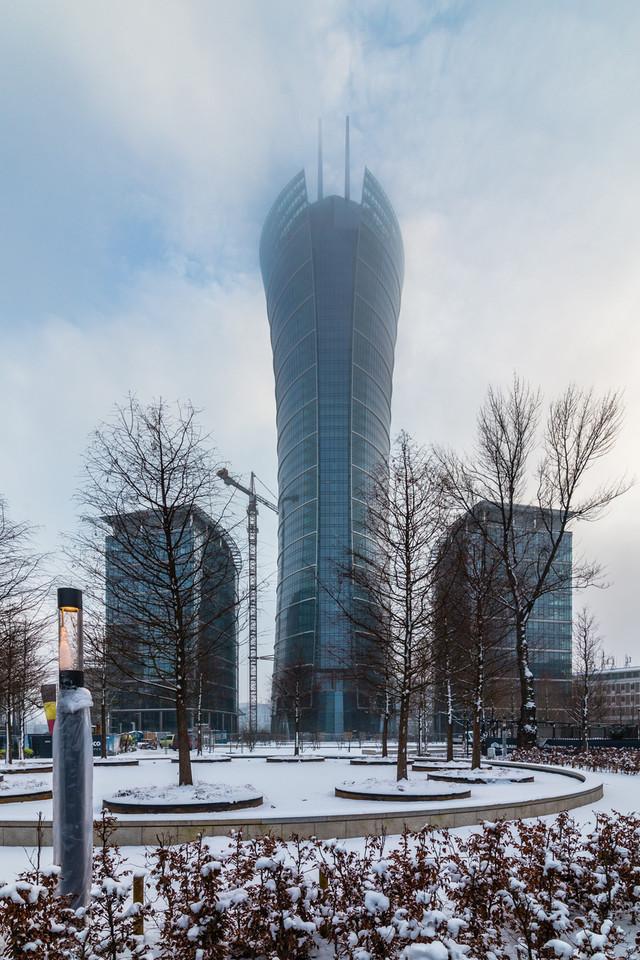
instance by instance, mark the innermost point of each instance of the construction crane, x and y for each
(252, 532)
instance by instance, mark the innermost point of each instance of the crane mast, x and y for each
(252, 534)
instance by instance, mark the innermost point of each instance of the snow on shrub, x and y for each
(523, 890)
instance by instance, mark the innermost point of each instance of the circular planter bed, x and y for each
(25, 791)
(204, 760)
(115, 763)
(34, 768)
(433, 766)
(481, 776)
(295, 759)
(198, 798)
(400, 790)
(373, 762)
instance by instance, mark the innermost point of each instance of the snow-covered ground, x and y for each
(295, 790)
(290, 790)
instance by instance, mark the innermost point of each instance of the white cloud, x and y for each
(144, 144)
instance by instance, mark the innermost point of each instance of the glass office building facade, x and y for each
(333, 273)
(549, 628)
(139, 617)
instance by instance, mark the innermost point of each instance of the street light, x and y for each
(72, 758)
(70, 652)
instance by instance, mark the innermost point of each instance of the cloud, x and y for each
(145, 143)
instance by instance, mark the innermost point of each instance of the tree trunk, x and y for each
(477, 711)
(103, 722)
(8, 753)
(449, 722)
(527, 724)
(184, 753)
(21, 734)
(385, 735)
(199, 743)
(585, 715)
(476, 754)
(403, 731)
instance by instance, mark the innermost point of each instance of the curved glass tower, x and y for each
(333, 273)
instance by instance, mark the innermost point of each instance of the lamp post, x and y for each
(72, 758)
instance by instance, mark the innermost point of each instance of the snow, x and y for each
(296, 790)
(375, 902)
(290, 790)
(309, 790)
(200, 791)
(410, 788)
(22, 785)
(426, 951)
(484, 775)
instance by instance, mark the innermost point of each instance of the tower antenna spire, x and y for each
(319, 158)
(347, 178)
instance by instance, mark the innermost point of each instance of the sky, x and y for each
(143, 145)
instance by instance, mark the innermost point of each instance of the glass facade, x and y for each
(139, 614)
(333, 273)
(485, 594)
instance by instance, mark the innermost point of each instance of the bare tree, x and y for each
(23, 578)
(102, 676)
(524, 513)
(471, 628)
(23, 589)
(169, 572)
(24, 660)
(393, 571)
(292, 692)
(588, 695)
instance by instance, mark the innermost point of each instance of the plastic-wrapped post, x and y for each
(72, 758)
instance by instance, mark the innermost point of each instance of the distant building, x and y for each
(333, 273)
(620, 688)
(549, 629)
(135, 610)
(263, 717)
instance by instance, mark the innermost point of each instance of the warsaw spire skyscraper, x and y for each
(333, 273)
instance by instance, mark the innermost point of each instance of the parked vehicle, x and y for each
(174, 744)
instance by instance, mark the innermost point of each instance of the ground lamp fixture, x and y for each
(72, 757)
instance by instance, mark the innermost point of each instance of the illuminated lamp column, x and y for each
(72, 758)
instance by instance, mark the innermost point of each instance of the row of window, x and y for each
(374, 328)
(365, 455)
(371, 394)
(300, 425)
(298, 460)
(298, 649)
(375, 255)
(378, 212)
(361, 484)
(290, 204)
(296, 253)
(300, 585)
(371, 289)
(294, 328)
(300, 490)
(300, 358)
(301, 522)
(296, 618)
(298, 555)
(300, 392)
(298, 289)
